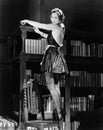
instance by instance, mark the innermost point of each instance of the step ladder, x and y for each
(42, 125)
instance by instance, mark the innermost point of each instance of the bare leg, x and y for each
(57, 87)
(54, 92)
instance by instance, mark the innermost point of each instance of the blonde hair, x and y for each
(59, 13)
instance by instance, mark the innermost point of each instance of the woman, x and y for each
(53, 62)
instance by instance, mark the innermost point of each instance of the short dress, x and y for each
(53, 60)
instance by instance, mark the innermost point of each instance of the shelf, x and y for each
(30, 57)
(89, 65)
(91, 118)
(86, 88)
(83, 63)
(85, 60)
(80, 91)
(88, 116)
(74, 63)
(41, 125)
(83, 35)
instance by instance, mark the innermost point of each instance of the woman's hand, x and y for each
(37, 30)
(40, 32)
(23, 22)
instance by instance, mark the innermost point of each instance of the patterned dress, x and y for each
(53, 60)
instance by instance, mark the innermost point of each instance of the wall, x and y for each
(86, 15)
(10, 14)
(5, 89)
(81, 15)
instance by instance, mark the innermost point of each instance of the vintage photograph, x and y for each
(51, 65)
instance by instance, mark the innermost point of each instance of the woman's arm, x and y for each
(43, 34)
(40, 32)
(39, 25)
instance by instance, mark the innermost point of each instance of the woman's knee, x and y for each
(49, 78)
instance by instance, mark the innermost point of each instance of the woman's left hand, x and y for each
(36, 30)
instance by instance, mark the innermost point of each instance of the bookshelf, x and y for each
(86, 88)
(82, 89)
(35, 103)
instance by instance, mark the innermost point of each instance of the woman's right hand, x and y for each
(23, 22)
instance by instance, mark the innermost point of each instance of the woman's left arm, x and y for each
(40, 32)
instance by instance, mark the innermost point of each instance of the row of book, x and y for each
(76, 103)
(75, 125)
(82, 103)
(80, 48)
(40, 78)
(35, 46)
(86, 79)
(49, 104)
(77, 79)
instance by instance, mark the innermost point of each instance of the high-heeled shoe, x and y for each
(61, 115)
(58, 117)
(55, 115)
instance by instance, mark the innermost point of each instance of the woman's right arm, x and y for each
(39, 25)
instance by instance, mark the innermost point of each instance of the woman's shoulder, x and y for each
(58, 30)
(55, 27)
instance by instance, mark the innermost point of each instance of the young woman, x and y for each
(53, 62)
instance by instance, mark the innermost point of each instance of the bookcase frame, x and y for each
(21, 58)
(79, 63)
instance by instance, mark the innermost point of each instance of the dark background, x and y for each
(81, 15)
(84, 18)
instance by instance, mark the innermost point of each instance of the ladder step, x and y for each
(42, 125)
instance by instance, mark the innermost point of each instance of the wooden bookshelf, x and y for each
(82, 88)
(85, 65)
(26, 64)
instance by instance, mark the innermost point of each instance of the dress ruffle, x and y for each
(54, 61)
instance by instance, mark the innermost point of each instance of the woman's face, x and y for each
(54, 18)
